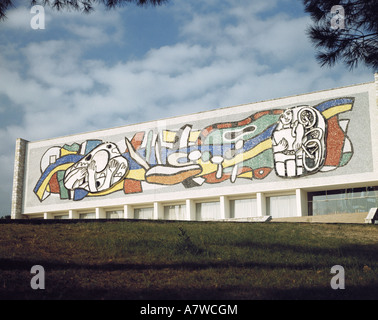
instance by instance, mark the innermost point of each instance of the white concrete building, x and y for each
(307, 155)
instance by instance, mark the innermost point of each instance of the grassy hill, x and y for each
(188, 260)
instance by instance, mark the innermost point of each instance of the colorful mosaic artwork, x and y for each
(291, 142)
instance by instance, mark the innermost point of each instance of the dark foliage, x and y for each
(354, 41)
(186, 245)
(85, 6)
(4, 6)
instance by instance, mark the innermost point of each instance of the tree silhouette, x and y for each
(85, 6)
(344, 30)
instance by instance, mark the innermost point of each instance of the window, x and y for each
(114, 214)
(175, 212)
(319, 195)
(144, 213)
(89, 215)
(243, 208)
(208, 211)
(372, 192)
(63, 216)
(281, 206)
(343, 200)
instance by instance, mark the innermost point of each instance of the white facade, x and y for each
(302, 155)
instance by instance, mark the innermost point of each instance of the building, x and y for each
(308, 155)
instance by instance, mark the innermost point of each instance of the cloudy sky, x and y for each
(112, 68)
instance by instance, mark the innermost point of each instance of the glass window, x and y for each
(243, 208)
(331, 207)
(372, 192)
(372, 203)
(89, 215)
(175, 212)
(349, 205)
(316, 196)
(336, 194)
(208, 211)
(359, 192)
(349, 193)
(114, 214)
(63, 216)
(310, 208)
(144, 213)
(359, 205)
(340, 206)
(343, 201)
(320, 207)
(282, 206)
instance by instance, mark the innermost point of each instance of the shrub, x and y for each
(186, 245)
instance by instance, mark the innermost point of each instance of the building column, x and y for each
(48, 215)
(72, 214)
(190, 209)
(100, 213)
(128, 211)
(18, 178)
(261, 204)
(224, 207)
(158, 211)
(376, 87)
(301, 201)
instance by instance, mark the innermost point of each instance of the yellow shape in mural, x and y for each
(335, 110)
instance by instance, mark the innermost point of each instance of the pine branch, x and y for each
(85, 6)
(356, 42)
(4, 6)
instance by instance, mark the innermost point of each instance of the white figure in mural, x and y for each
(298, 142)
(99, 170)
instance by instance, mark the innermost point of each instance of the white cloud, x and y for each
(224, 57)
(18, 19)
(98, 28)
(175, 59)
(56, 64)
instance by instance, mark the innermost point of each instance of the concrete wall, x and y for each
(284, 146)
(18, 179)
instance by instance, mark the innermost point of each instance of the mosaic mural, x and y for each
(291, 143)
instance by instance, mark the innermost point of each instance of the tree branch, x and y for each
(85, 6)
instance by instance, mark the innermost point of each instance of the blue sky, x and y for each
(117, 67)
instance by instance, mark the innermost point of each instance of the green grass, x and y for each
(188, 260)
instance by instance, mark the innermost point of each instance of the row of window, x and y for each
(279, 206)
(349, 193)
(116, 214)
(348, 200)
(319, 203)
